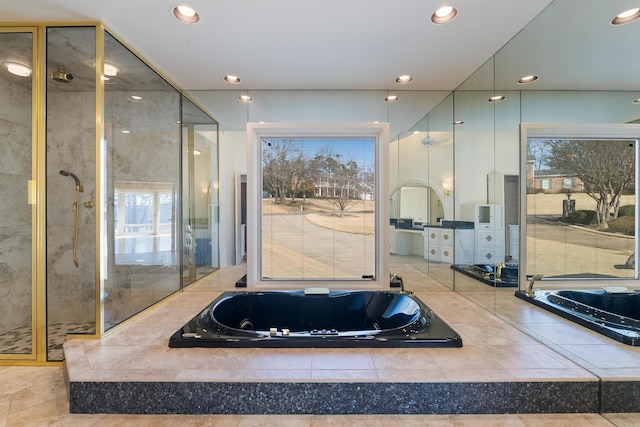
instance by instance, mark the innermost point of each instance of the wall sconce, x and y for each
(447, 188)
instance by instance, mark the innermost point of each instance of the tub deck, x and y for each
(500, 369)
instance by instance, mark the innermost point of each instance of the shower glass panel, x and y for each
(16, 274)
(71, 214)
(141, 180)
(200, 209)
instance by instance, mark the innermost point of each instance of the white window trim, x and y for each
(255, 133)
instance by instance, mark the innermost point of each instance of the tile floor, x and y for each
(522, 342)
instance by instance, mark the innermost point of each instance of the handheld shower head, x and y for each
(64, 172)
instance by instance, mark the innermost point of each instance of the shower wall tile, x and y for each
(16, 103)
(71, 145)
(15, 140)
(14, 209)
(15, 296)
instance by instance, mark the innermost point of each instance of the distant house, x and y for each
(551, 180)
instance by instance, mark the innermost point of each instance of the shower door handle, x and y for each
(31, 192)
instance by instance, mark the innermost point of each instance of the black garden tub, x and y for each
(614, 313)
(316, 318)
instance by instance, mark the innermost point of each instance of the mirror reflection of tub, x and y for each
(611, 311)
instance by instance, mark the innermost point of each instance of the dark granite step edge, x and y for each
(334, 398)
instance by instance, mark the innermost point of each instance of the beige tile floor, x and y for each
(515, 345)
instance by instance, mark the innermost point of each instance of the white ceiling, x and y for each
(300, 44)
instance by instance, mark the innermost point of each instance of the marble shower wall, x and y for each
(15, 213)
(71, 291)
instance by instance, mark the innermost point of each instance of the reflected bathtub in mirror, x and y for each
(336, 319)
(613, 314)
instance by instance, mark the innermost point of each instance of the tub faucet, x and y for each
(535, 277)
(499, 267)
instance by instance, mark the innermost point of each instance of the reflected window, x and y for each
(583, 225)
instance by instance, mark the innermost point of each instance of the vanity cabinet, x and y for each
(489, 234)
(448, 245)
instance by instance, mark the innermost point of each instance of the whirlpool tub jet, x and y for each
(299, 319)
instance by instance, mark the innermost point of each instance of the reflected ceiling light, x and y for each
(415, 132)
(497, 98)
(135, 98)
(444, 15)
(18, 69)
(527, 79)
(110, 70)
(196, 152)
(458, 122)
(185, 14)
(636, 101)
(234, 80)
(245, 98)
(627, 16)
(391, 98)
(125, 131)
(404, 79)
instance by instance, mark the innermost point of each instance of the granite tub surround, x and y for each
(499, 369)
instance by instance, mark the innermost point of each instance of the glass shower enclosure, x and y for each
(105, 164)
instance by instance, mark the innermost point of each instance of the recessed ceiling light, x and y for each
(404, 79)
(245, 98)
(234, 80)
(627, 16)
(391, 98)
(497, 98)
(458, 122)
(185, 14)
(110, 70)
(125, 131)
(527, 79)
(135, 98)
(444, 15)
(636, 101)
(18, 69)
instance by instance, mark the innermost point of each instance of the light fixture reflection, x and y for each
(245, 98)
(391, 99)
(234, 80)
(110, 70)
(527, 79)
(497, 98)
(18, 69)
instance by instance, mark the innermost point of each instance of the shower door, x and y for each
(17, 213)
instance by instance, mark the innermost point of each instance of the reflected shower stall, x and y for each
(91, 147)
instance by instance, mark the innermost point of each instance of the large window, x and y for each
(318, 200)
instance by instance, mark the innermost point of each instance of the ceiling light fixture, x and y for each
(497, 98)
(185, 14)
(636, 101)
(527, 79)
(110, 70)
(458, 122)
(234, 80)
(135, 98)
(391, 98)
(404, 79)
(444, 15)
(245, 98)
(18, 69)
(627, 16)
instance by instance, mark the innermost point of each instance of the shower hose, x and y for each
(76, 205)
